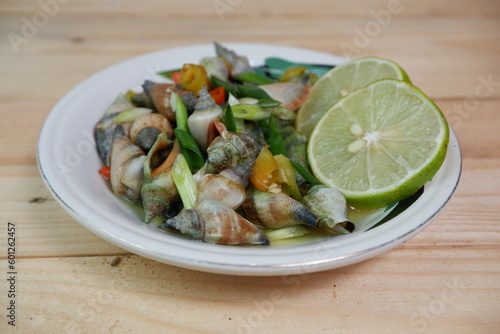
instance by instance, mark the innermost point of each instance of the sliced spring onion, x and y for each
(268, 103)
(283, 113)
(268, 72)
(252, 91)
(282, 65)
(251, 112)
(190, 149)
(238, 122)
(247, 100)
(240, 125)
(131, 115)
(229, 87)
(275, 139)
(181, 113)
(241, 90)
(168, 74)
(287, 232)
(231, 100)
(184, 181)
(304, 173)
(253, 78)
(229, 119)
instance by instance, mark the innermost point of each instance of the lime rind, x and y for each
(403, 162)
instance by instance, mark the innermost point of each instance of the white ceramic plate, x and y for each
(68, 163)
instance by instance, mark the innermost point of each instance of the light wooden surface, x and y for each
(444, 280)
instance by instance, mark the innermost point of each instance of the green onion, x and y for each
(251, 112)
(273, 136)
(271, 73)
(287, 232)
(181, 113)
(184, 182)
(278, 64)
(231, 100)
(230, 88)
(238, 122)
(229, 119)
(247, 100)
(283, 113)
(252, 91)
(268, 103)
(253, 78)
(131, 115)
(304, 173)
(168, 74)
(275, 142)
(241, 90)
(240, 125)
(190, 149)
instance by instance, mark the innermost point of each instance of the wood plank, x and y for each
(21, 125)
(43, 227)
(293, 9)
(475, 122)
(139, 295)
(438, 60)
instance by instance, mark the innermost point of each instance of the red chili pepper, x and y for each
(218, 94)
(105, 172)
(176, 76)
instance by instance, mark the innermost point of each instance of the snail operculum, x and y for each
(146, 129)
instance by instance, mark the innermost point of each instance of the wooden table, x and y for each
(444, 280)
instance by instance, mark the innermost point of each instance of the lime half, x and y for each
(340, 81)
(379, 144)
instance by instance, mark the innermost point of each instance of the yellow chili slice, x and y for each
(286, 176)
(193, 77)
(265, 172)
(292, 73)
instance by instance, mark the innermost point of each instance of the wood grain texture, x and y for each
(444, 280)
(399, 291)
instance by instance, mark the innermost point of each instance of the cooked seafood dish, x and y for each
(214, 154)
